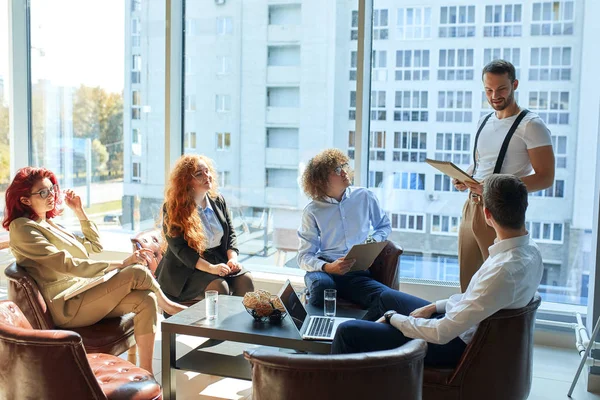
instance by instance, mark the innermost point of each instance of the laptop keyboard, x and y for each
(321, 327)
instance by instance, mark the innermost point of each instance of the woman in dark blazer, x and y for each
(201, 246)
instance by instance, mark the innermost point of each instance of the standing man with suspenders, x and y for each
(511, 140)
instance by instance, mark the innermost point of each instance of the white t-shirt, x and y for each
(531, 133)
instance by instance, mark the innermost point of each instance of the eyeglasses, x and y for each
(344, 167)
(44, 193)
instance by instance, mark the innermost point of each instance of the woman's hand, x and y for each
(141, 257)
(234, 265)
(219, 269)
(73, 201)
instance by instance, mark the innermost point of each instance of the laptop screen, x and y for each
(293, 305)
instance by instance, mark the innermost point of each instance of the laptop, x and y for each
(310, 327)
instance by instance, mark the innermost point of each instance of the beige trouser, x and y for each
(475, 236)
(131, 290)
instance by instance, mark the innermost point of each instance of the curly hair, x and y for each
(181, 217)
(21, 186)
(316, 174)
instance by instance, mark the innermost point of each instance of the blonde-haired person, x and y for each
(338, 217)
(201, 245)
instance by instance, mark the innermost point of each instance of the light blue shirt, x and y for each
(212, 226)
(330, 228)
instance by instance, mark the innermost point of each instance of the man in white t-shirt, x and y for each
(510, 140)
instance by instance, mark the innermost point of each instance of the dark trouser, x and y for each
(358, 287)
(363, 336)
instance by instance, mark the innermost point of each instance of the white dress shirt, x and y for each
(212, 226)
(330, 228)
(508, 279)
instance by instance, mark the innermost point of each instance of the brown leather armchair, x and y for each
(110, 336)
(390, 374)
(497, 364)
(386, 267)
(50, 364)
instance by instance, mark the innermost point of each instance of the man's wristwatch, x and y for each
(388, 315)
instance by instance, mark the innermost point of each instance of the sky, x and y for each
(73, 42)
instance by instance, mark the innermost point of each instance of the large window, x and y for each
(438, 99)
(4, 99)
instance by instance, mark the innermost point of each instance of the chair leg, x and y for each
(132, 355)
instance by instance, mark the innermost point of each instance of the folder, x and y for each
(364, 254)
(451, 170)
(74, 290)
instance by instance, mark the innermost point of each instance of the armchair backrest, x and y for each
(386, 266)
(149, 239)
(24, 292)
(42, 364)
(389, 374)
(503, 342)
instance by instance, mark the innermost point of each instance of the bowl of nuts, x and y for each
(263, 306)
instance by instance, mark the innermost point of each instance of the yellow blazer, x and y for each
(57, 260)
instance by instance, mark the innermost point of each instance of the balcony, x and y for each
(283, 116)
(283, 75)
(283, 33)
(277, 157)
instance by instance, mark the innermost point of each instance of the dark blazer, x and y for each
(179, 261)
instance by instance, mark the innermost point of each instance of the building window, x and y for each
(223, 141)
(549, 232)
(408, 222)
(190, 102)
(136, 62)
(556, 190)
(224, 178)
(454, 106)
(224, 26)
(411, 106)
(377, 105)
(136, 172)
(457, 21)
(455, 147)
(552, 107)
(445, 225)
(136, 5)
(456, 65)
(353, 61)
(552, 18)
(550, 64)
(443, 183)
(502, 20)
(447, 267)
(281, 178)
(136, 98)
(223, 65)
(375, 178)
(414, 23)
(352, 112)
(380, 24)
(354, 24)
(379, 66)
(189, 139)
(409, 181)
(512, 55)
(410, 146)
(377, 145)
(351, 144)
(559, 143)
(223, 102)
(190, 27)
(136, 113)
(135, 32)
(136, 136)
(412, 65)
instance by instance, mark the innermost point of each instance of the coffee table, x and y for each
(233, 331)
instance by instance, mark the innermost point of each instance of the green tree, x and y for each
(99, 157)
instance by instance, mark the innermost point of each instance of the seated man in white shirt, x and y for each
(509, 279)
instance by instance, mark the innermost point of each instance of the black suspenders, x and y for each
(504, 147)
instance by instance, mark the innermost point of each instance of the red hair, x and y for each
(182, 218)
(21, 186)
